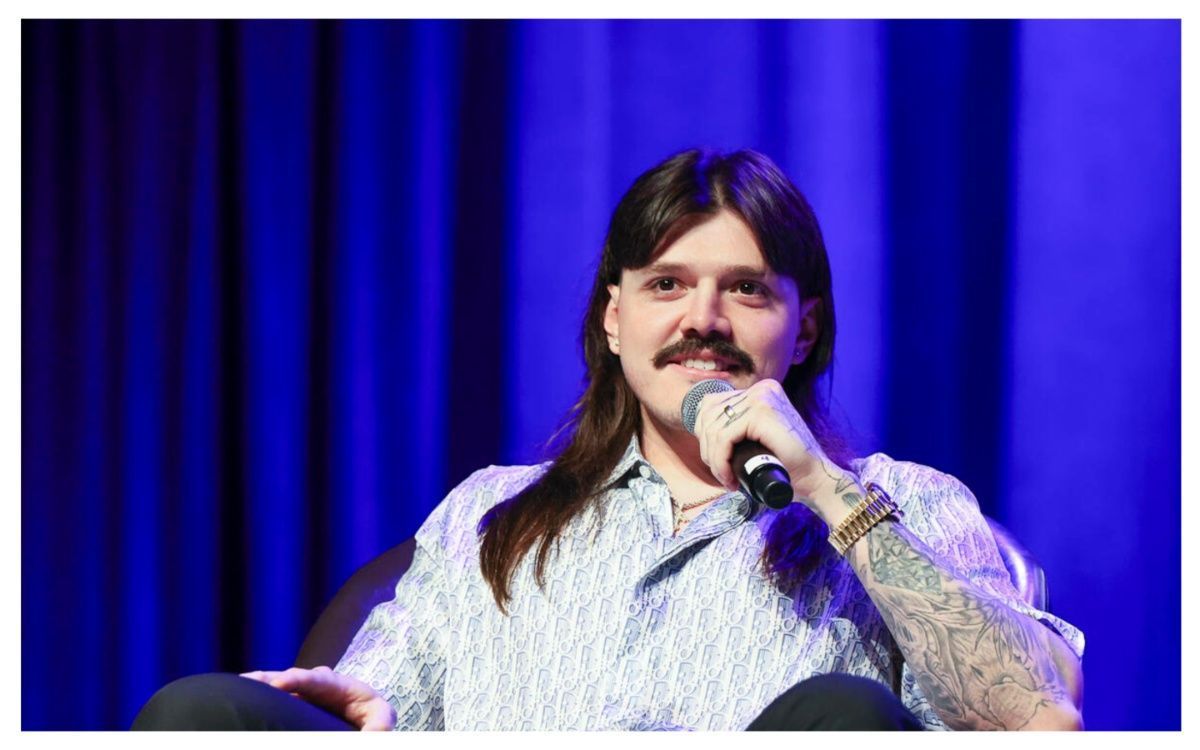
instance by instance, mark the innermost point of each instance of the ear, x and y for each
(610, 319)
(810, 329)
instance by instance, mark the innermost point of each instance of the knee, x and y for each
(839, 702)
(200, 701)
(859, 703)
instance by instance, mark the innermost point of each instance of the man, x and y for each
(630, 584)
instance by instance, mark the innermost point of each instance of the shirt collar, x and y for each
(631, 461)
(725, 515)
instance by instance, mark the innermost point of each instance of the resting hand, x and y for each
(353, 700)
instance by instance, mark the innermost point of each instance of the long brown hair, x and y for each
(599, 426)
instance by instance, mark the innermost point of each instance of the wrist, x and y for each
(868, 513)
(836, 496)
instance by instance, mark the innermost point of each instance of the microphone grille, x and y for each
(691, 402)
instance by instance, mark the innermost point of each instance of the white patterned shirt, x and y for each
(640, 629)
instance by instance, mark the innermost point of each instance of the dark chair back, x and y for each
(371, 584)
(375, 582)
(1027, 576)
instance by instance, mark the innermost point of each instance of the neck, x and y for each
(675, 455)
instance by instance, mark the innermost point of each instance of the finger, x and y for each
(718, 433)
(274, 679)
(293, 680)
(734, 428)
(709, 406)
(368, 710)
(324, 687)
(380, 717)
(708, 417)
(703, 419)
(721, 453)
(710, 411)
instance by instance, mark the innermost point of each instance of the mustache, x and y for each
(718, 347)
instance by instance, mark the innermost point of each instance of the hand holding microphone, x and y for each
(761, 475)
(733, 426)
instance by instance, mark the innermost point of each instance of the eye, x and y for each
(751, 288)
(663, 285)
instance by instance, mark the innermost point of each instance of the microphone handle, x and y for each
(761, 475)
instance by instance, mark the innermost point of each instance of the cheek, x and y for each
(775, 344)
(643, 335)
(644, 331)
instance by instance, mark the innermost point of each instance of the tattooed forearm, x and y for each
(898, 565)
(981, 664)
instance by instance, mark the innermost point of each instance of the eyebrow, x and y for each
(750, 272)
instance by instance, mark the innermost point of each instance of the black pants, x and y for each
(836, 702)
(229, 702)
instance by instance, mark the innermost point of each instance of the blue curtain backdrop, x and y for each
(286, 283)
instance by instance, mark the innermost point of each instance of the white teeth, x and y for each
(700, 364)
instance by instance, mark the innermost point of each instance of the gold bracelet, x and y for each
(869, 511)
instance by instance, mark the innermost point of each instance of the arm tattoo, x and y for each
(843, 483)
(981, 664)
(898, 565)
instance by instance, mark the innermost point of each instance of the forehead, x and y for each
(721, 241)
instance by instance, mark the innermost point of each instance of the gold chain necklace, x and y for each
(680, 508)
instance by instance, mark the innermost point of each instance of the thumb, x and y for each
(378, 716)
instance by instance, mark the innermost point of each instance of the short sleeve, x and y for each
(400, 649)
(943, 513)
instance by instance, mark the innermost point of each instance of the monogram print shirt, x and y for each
(638, 628)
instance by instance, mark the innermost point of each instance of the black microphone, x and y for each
(760, 474)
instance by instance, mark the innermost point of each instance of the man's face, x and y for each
(708, 306)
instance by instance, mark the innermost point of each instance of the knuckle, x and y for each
(769, 385)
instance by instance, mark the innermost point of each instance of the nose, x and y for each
(705, 314)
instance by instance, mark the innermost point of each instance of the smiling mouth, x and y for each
(704, 356)
(706, 364)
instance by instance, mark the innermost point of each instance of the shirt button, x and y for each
(644, 470)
